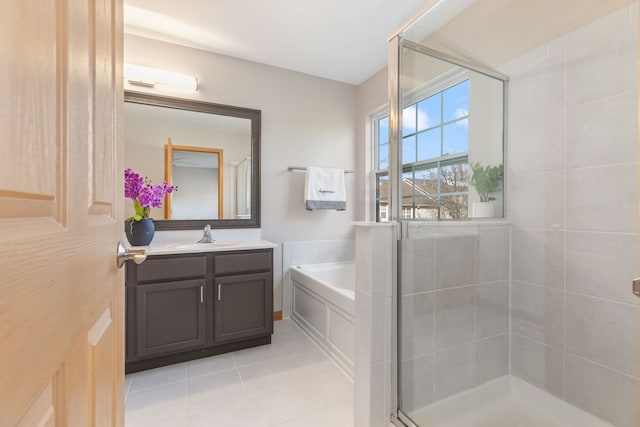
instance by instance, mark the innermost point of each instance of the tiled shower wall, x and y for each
(455, 307)
(573, 204)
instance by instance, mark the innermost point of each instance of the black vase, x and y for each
(139, 233)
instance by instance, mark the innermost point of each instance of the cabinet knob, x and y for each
(219, 291)
(137, 255)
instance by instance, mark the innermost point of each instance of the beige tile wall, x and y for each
(573, 202)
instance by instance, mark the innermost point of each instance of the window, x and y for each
(381, 143)
(435, 145)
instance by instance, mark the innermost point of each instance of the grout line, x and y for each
(440, 350)
(433, 321)
(599, 100)
(577, 168)
(494, 282)
(536, 341)
(476, 268)
(582, 294)
(574, 230)
(155, 386)
(509, 299)
(564, 221)
(609, 368)
(186, 392)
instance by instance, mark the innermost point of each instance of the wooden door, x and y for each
(61, 294)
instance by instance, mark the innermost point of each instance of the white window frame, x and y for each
(426, 90)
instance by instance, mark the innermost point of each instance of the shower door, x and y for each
(524, 315)
(453, 293)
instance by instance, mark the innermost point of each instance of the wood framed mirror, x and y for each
(150, 120)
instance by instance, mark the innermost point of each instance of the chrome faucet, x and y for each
(206, 237)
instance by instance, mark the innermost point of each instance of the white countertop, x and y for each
(167, 248)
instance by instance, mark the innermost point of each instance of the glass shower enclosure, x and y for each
(513, 173)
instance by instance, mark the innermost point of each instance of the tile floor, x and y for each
(287, 383)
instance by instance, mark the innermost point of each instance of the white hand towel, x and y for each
(324, 188)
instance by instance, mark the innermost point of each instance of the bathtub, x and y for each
(323, 305)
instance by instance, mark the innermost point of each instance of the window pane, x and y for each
(426, 181)
(426, 207)
(382, 198)
(455, 137)
(382, 188)
(407, 211)
(453, 207)
(409, 120)
(407, 194)
(456, 101)
(426, 213)
(383, 131)
(407, 184)
(383, 157)
(429, 144)
(409, 149)
(429, 112)
(454, 178)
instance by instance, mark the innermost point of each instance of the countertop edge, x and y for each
(169, 249)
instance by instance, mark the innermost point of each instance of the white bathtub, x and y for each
(323, 304)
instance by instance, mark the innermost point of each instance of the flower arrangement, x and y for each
(144, 195)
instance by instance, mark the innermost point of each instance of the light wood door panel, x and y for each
(61, 294)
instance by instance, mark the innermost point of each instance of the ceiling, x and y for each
(346, 40)
(343, 40)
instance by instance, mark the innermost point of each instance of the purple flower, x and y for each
(143, 193)
(133, 184)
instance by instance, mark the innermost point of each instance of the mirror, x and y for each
(199, 172)
(210, 151)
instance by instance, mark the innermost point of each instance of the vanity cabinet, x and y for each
(186, 306)
(240, 311)
(171, 317)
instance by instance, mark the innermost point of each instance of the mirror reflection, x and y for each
(199, 172)
(209, 156)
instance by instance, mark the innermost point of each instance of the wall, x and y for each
(305, 121)
(371, 96)
(573, 202)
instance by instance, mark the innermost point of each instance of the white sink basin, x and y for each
(203, 246)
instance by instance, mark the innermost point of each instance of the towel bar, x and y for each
(302, 168)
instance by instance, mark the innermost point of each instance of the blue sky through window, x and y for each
(456, 101)
(436, 126)
(434, 147)
(429, 112)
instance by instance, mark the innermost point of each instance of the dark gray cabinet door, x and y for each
(170, 317)
(243, 306)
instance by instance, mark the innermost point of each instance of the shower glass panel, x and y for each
(454, 315)
(527, 318)
(454, 290)
(452, 120)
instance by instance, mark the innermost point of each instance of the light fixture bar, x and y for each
(139, 75)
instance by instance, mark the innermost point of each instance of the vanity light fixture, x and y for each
(138, 75)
